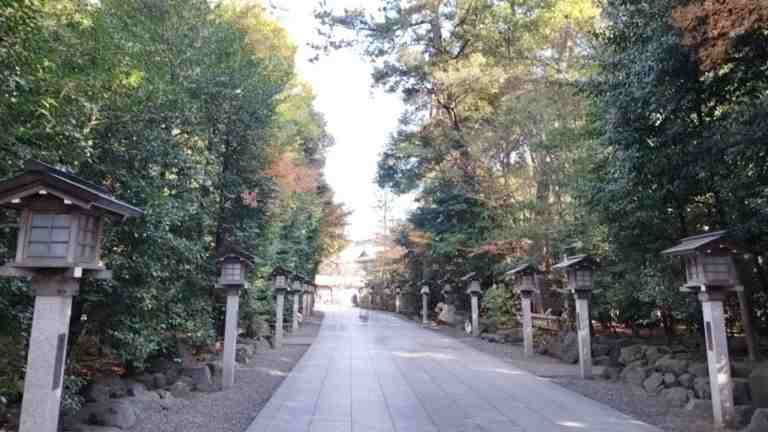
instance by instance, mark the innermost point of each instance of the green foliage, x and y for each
(71, 399)
(180, 107)
(501, 304)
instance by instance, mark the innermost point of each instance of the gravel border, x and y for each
(235, 409)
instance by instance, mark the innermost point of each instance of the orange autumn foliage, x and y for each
(710, 26)
(293, 176)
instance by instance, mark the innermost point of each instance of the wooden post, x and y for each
(279, 308)
(46, 358)
(424, 307)
(582, 328)
(230, 338)
(718, 362)
(527, 323)
(397, 302)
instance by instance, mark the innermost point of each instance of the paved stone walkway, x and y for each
(384, 374)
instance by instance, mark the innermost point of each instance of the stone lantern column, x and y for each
(295, 306)
(279, 310)
(43, 383)
(718, 362)
(525, 300)
(425, 305)
(582, 328)
(474, 292)
(398, 295)
(230, 338)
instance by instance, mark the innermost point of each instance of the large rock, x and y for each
(670, 364)
(701, 388)
(758, 387)
(743, 415)
(700, 407)
(611, 373)
(634, 375)
(511, 336)
(119, 414)
(245, 353)
(670, 380)
(698, 370)
(631, 354)
(686, 380)
(759, 422)
(180, 389)
(599, 350)
(741, 395)
(104, 389)
(653, 354)
(200, 375)
(139, 391)
(569, 348)
(676, 397)
(654, 383)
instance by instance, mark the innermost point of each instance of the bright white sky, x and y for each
(359, 118)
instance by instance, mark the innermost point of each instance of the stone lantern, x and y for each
(525, 278)
(398, 299)
(295, 290)
(59, 243)
(579, 271)
(424, 304)
(474, 293)
(280, 283)
(710, 272)
(234, 267)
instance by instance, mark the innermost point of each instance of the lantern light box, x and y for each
(708, 260)
(234, 267)
(579, 270)
(524, 277)
(62, 217)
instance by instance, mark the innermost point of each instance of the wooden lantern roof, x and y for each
(469, 276)
(702, 243)
(281, 271)
(39, 177)
(523, 270)
(576, 262)
(234, 252)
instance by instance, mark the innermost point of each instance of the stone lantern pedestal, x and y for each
(425, 305)
(230, 338)
(295, 291)
(474, 292)
(398, 296)
(718, 361)
(525, 302)
(582, 328)
(279, 310)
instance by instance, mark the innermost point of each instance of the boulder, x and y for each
(743, 415)
(634, 375)
(164, 394)
(448, 314)
(180, 389)
(698, 370)
(104, 389)
(569, 348)
(701, 388)
(145, 379)
(159, 380)
(653, 354)
(670, 380)
(741, 370)
(611, 373)
(244, 353)
(119, 414)
(741, 394)
(758, 387)
(700, 408)
(200, 375)
(600, 350)
(491, 337)
(670, 364)
(676, 397)
(602, 361)
(139, 391)
(653, 383)
(686, 380)
(511, 336)
(759, 422)
(631, 354)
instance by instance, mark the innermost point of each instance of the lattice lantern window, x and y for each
(233, 270)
